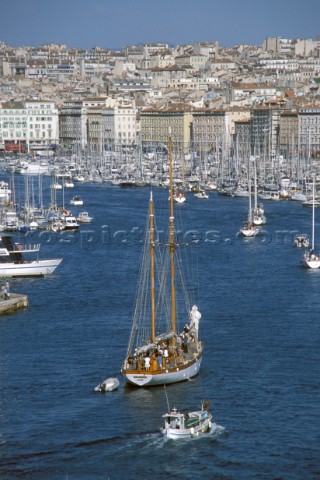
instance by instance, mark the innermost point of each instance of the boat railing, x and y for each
(20, 248)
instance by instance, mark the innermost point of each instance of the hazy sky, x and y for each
(116, 23)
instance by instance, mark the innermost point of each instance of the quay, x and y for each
(13, 304)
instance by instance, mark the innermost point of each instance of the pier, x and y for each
(13, 304)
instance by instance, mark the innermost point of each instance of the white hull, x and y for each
(35, 170)
(84, 218)
(314, 264)
(249, 232)
(108, 385)
(179, 199)
(179, 374)
(269, 196)
(36, 268)
(192, 432)
(241, 193)
(203, 196)
(259, 220)
(299, 197)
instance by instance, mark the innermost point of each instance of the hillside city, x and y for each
(219, 101)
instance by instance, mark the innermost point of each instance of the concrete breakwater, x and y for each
(13, 304)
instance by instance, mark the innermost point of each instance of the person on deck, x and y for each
(147, 362)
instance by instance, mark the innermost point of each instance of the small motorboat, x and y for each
(301, 240)
(76, 201)
(202, 194)
(107, 385)
(56, 186)
(179, 197)
(79, 178)
(69, 222)
(69, 184)
(187, 425)
(84, 217)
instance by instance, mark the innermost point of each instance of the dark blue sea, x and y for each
(260, 324)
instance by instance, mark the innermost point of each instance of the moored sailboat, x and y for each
(310, 259)
(157, 354)
(249, 229)
(258, 216)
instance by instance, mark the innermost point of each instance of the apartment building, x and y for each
(241, 139)
(264, 131)
(73, 122)
(289, 133)
(252, 92)
(121, 124)
(309, 131)
(156, 123)
(280, 45)
(197, 62)
(209, 130)
(31, 126)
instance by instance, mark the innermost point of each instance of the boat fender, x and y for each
(192, 431)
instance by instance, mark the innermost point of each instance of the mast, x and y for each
(152, 281)
(250, 207)
(255, 184)
(312, 243)
(249, 188)
(172, 245)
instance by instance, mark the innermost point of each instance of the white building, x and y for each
(121, 124)
(42, 124)
(28, 126)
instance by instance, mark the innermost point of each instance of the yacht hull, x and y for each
(181, 373)
(310, 263)
(37, 268)
(248, 232)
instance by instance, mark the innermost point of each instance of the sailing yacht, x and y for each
(249, 229)
(310, 259)
(258, 216)
(157, 354)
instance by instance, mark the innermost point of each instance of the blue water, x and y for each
(260, 370)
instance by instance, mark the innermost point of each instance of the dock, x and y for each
(13, 304)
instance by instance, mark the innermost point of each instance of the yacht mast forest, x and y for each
(157, 354)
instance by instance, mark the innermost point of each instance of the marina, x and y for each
(259, 368)
(159, 240)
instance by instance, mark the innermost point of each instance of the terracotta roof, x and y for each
(288, 92)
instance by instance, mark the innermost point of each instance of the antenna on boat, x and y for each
(165, 390)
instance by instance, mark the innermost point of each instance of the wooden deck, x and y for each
(13, 304)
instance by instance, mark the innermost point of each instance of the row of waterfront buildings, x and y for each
(227, 101)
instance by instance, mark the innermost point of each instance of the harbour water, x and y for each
(260, 370)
